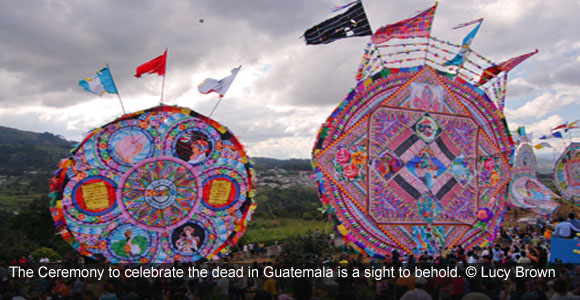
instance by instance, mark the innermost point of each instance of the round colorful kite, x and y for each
(525, 190)
(416, 160)
(161, 185)
(567, 172)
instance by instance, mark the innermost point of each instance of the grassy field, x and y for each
(16, 202)
(268, 231)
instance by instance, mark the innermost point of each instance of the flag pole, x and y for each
(215, 106)
(120, 101)
(162, 89)
(119, 97)
(118, 94)
(165, 72)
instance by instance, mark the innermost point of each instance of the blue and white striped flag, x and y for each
(100, 83)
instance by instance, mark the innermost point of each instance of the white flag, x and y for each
(219, 86)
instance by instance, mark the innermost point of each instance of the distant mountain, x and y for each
(19, 137)
(24, 152)
(293, 164)
(545, 163)
(27, 160)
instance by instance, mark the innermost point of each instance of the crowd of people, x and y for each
(526, 245)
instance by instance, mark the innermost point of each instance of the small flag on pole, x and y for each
(351, 23)
(572, 126)
(553, 135)
(100, 83)
(567, 126)
(520, 135)
(156, 65)
(218, 86)
(521, 130)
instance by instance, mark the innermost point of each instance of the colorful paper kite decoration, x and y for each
(416, 161)
(567, 172)
(525, 191)
(417, 157)
(161, 185)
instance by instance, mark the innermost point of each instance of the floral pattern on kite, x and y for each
(438, 156)
(161, 185)
(567, 172)
(350, 163)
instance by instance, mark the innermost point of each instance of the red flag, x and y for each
(514, 61)
(489, 73)
(506, 66)
(417, 26)
(560, 126)
(156, 65)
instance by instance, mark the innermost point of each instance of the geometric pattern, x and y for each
(436, 155)
(161, 185)
(156, 193)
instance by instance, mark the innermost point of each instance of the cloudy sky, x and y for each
(285, 89)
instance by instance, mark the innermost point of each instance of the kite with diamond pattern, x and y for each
(415, 160)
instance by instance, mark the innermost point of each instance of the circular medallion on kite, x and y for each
(525, 190)
(567, 172)
(161, 185)
(417, 157)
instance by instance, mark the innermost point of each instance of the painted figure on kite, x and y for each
(161, 185)
(187, 242)
(525, 190)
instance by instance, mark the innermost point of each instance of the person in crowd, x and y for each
(561, 291)
(418, 293)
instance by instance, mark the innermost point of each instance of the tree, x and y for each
(45, 252)
(310, 248)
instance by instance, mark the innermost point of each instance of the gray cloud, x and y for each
(520, 88)
(569, 74)
(48, 45)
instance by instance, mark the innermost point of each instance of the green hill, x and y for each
(13, 136)
(25, 152)
(27, 160)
